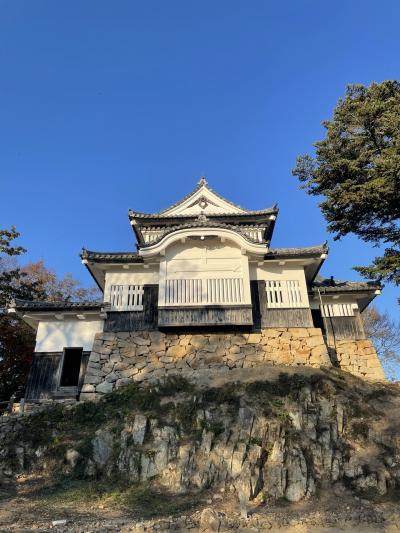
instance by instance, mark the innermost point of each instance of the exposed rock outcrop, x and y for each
(276, 438)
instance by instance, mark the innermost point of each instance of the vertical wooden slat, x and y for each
(203, 291)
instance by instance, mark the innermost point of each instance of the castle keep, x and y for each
(204, 290)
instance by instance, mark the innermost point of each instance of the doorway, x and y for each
(71, 367)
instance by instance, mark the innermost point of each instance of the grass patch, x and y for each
(175, 385)
(270, 395)
(42, 428)
(149, 502)
(219, 395)
(38, 429)
(377, 394)
(358, 408)
(285, 386)
(71, 493)
(143, 500)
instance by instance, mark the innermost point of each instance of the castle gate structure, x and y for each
(204, 290)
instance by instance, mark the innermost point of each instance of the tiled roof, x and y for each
(268, 211)
(111, 257)
(55, 306)
(202, 183)
(204, 223)
(294, 252)
(335, 285)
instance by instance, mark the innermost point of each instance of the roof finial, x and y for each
(202, 181)
(202, 217)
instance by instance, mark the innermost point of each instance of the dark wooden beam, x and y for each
(205, 316)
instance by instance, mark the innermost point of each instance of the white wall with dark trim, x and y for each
(55, 335)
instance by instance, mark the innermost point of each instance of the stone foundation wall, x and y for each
(359, 357)
(120, 358)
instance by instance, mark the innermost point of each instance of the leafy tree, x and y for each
(55, 289)
(13, 283)
(16, 338)
(32, 282)
(357, 169)
(385, 334)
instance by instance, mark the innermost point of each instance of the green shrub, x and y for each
(174, 385)
(185, 414)
(219, 395)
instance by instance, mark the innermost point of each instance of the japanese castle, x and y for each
(204, 274)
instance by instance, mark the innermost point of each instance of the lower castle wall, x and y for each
(120, 358)
(358, 357)
(147, 356)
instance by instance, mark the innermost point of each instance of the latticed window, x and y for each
(126, 297)
(284, 293)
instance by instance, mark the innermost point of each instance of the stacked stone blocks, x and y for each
(360, 358)
(119, 358)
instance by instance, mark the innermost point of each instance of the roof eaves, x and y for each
(33, 305)
(347, 286)
(186, 197)
(111, 257)
(202, 183)
(159, 216)
(202, 224)
(311, 251)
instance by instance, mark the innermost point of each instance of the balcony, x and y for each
(208, 301)
(213, 291)
(204, 302)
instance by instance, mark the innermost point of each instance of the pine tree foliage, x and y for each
(356, 169)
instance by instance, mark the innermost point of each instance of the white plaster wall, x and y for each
(208, 259)
(287, 272)
(274, 271)
(204, 259)
(55, 335)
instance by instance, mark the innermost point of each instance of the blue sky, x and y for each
(110, 105)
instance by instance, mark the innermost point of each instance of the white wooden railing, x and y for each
(284, 293)
(126, 297)
(204, 291)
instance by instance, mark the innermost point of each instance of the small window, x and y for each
(126, 297)
(71, 367)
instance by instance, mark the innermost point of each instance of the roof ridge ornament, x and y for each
(202, 217)
(202, 181)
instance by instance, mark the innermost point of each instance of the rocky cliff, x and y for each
(254, 435)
